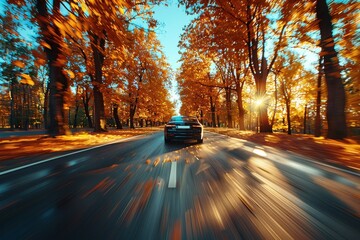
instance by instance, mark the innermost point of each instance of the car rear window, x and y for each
(182, 118)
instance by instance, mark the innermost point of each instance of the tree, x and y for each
(199, 88)
(55, 49)
(292, 78)
(145, 68)
(335, 89)
(260, 25)
(17, 70)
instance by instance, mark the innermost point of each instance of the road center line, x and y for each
(172, 178)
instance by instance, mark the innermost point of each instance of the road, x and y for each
(140, 188)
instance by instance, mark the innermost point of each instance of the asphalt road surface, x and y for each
(140, 188)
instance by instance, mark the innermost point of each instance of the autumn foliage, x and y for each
(98, 63)
(250, 65)
(265, 66)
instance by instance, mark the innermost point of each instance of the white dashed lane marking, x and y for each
(172, 178)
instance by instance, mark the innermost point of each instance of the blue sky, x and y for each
(171, 20)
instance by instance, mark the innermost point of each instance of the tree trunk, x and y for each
(133, 104)
(318, 101)
(239, 89)
(132, 114)
(288, 114)
(76, 115)
(46, 108)
(228, 107)
(335, 112)
(59, 85)
(116, 117)
(12, 109)
(27, 108)
(58, 88)
(265, 127)
(98, 46)
(86, 100)
(213, 113)
(276, 101)
(132, 111)
(305, 118)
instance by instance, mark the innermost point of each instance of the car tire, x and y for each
(200, 140)
(166, 140)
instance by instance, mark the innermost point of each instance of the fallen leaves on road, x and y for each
(17, 147)
(345, 152)
(142, 195)
(156, 162)
(341, 152)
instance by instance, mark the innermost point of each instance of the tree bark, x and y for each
(98, 46)
(228, 107)
(276, 101)
(305, 119)
(213, 112)
(318, 101)
(132, 114)
(336, 101)
(76, 115)
(59, 84)
(288, 114)
(265, 127)
(12, 109)
(46, 108)
(239, 88)
(116, 117)
(86, 100)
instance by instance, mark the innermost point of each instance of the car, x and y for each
(183, 128)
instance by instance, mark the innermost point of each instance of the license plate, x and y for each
(183, 127)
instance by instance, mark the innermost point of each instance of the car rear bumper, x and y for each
(183, 135)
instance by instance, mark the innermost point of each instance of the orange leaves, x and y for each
(69, 73)
(40, 62)
(26, 79)
(45, 45)
(70, 26)
(18, 63)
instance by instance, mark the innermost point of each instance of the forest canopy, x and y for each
(289, 66)
(245, 64)
(68, 64)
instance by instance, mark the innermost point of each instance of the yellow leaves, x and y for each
(70, 73)
(121, 10)
(72, 21)
(18, 63)
(74, 6)
(156, 162)
(26, 79)
(167, 159)
(84, 7)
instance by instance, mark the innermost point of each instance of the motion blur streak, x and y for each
(224, 190)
